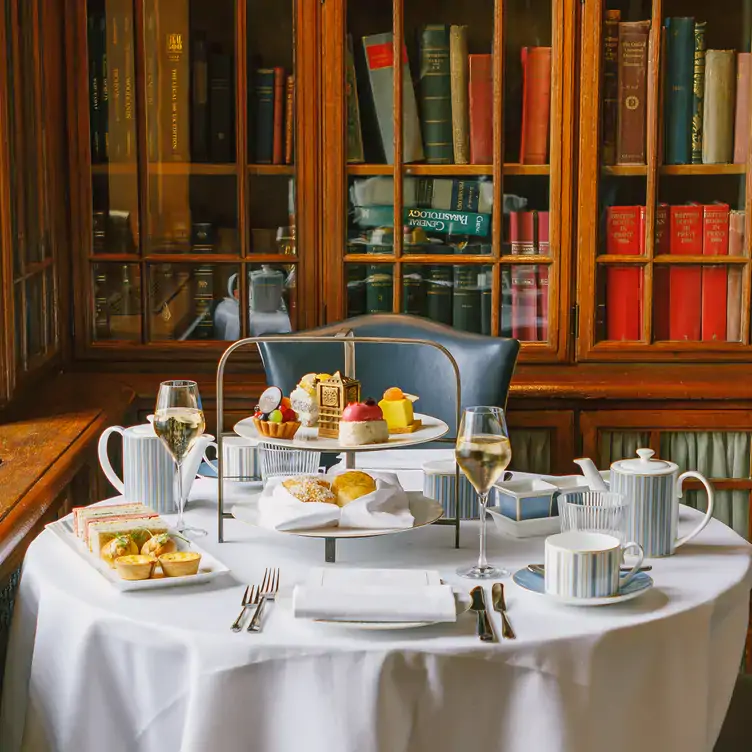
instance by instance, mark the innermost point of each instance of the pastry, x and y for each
(352, 485)
(309, 489)
(139, 529)
(398, 411)
(362, 423)
(158, 545)
(120, 545)
(180, 563)
(274, 416)
(304, 400)
(333, 395)
(135, 567)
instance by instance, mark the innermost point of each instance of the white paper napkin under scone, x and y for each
(374, 595)
(386, 508)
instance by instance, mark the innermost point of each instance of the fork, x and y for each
(245, 602)
(267, 592)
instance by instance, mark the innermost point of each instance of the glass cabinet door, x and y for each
(192, 129)
(663, 210)
(462, 152)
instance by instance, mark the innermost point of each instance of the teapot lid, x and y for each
(645, 465)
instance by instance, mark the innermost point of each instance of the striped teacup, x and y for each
(586, 565)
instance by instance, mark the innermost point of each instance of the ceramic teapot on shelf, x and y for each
(148, 468)
(227, 313)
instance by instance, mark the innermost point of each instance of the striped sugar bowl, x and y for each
(586, 565)
(438, 483)
(654, 488)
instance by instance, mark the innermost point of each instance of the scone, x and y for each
(352, 485)
(309, 489)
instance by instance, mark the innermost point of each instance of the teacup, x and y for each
(586, 565)
(240, 457)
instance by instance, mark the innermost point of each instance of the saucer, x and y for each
(535, 583)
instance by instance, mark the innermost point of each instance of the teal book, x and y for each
(436, 95)
(698, 92)
(263, 115)
(466, 299)
(431, 220)
(379, 288)
(679, 101)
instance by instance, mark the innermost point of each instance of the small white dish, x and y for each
(524, 528)
(535, 583)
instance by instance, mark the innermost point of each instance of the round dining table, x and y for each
(90, 668)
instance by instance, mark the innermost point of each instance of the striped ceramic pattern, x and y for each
(653, 518)
(440, 486)
(241, 462)
(582, 574)
(148, 472)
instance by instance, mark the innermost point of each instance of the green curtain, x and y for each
(531, 450)
(620, 445)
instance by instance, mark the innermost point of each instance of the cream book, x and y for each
(718, 113)
(458, 66)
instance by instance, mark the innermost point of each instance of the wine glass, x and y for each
(179, 421)
(483, 452)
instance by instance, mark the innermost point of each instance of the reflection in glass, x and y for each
(271, 207)
(525, 302)
(272, 299)
(116, 302)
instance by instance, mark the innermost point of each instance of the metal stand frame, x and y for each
(348, 341)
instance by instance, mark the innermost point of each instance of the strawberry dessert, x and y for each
(362, 423)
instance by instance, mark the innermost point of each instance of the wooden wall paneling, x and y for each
(561, 424)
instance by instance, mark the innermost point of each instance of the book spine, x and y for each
(379, 288)
(263, 95)
(633, 66)
(96, 39)
(737, 219)
(354, 130)
(698, 91)
(685, 283)
(610, 84)
(221, 133)
(450, 194)
(734, 304)
(200, 100)
(661, 303)
(356, 290)
(506, 302)
(715, 228)
(129, 86)
(662, 236)
(151, 68)
(203, 299)
(459, 87)
(522, 236)
(290, 119)
(379, 50)
(439, 284)
(536, 104)
(466, 300)
(623, 236)
(718, 117)
(480, 102)
(680, 47)
(278, 143)
(544, 249)
(436, 94)
(485, 282)
(173, 84)
(742, 125)
(413, 290)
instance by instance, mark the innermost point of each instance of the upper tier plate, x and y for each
(432, 429)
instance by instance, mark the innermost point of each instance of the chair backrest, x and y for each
(486, 364)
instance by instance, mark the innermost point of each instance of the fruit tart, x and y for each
(274, 416)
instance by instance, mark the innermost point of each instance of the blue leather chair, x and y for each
(486, 364)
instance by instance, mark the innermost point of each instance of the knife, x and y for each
(479, 606)
(541, 570)
(497, 597)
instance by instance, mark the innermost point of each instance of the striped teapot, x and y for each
(654, 488)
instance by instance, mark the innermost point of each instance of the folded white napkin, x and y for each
(386, 508)
(374, 595)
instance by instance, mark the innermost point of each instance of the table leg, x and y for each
(330, 550)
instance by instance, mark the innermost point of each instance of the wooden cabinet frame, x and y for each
(561, 425)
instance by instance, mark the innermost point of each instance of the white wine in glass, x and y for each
(179, 421)
(483, 452)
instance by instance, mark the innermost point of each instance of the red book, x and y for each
(715, 242)
(662, 237)
(544, 248)
(685, 282)
(734, 305)
(278, 148)
(624, 237)
(536, 104)
(480, 102)
(661, 286)
(742, 124)
(737, 218)
(522, 231)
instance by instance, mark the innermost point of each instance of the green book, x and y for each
(436, 94)
(379, 288)
(485, 282)
(356, 289)
(203, 301)
(680, 51)
(354, 131)
(431, 220)
(698, 92)
(96, 38)
(263, 115)
(466, 299)
(413, 283)
(439, 281)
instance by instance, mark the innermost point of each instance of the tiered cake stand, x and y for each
(433, 429)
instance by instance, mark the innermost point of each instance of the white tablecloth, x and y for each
(91, 669)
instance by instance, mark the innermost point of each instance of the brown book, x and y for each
(481, 108)
(536, 104)
(734, 304)
(631, 140)
(289, 118)
(278, 144)
(610, 84)
(718, 114)
(741, 124)
(458, 63)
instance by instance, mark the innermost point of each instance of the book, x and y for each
(485, 283)
(436, 94)
(413, 288)
(480, 103)
(734, 304)
(96, 34)
(120, 115)
(610, 84)
(631, 142)
(379, 50)
(678, 104)
(458, 66)
(624, 237)
(354, 130)
(698, 91)
(263, 115)
(200, 99)
(741, 115)
(466, 299)
(544, 248)
(718, 113)
(379, 288)
(506, 302)
(536, 104)
(439, 281)
(431, 220)
(356, 289)
(278, 139)
(523, 230)
(221, 129)
(685, 282)
(203, 301)
(715, 229)
(289, 119)
(661, 286)
(737, 220)
(455, 194)
(151, 72)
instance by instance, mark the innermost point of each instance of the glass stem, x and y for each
(483, 499)
(181, 500)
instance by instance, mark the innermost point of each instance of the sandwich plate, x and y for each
(209, 568)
